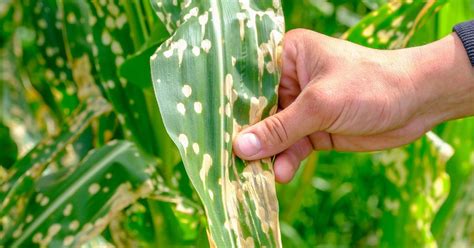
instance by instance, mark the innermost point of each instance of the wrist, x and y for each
(444, 79)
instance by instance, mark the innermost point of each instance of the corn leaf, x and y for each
(459, 230)
(110, 26)
(415, 189)
(17, 102)
(394, 24)
(451, 227)
(50, 67)
(75, 204)
(217, 74)
(171, 218)
(16, 190)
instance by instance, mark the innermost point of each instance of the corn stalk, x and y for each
(217, 74)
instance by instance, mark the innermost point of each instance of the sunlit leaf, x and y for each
(217, 74)
(394, 24)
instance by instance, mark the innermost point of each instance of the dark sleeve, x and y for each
(465, 31)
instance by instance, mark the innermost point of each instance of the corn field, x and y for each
(117, 120)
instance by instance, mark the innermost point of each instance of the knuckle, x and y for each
(321, 106)
(275, 131)
(298, 33)
(313, 100)
(297, 40)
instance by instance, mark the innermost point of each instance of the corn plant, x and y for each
(117, 119)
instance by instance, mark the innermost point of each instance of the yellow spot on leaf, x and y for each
(183, 139)
(206, 165)
(187, 90)
(369, 31)
(67, 210)
(198, 107)
(196, 148)
(94, 188)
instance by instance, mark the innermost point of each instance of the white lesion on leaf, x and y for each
(198, 107)
(183, 140)
(181, 108)
(206, 45)
(196, 148)
(257, 105)
(205, 167)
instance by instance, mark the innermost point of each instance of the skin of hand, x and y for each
(336, 95)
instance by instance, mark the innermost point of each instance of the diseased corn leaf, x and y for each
(111, 23)
(416, 180)
(50, 72)
(454, 220)
(133, 227)
(98, 241)
(459, 231)
(217, 74)
(17, 102)
(168, 219)
(153, 223)
(178, 216)
(415, 188)
(141, 60)
(75, 204)
(98, 41)
(16, 191)
(394, 24)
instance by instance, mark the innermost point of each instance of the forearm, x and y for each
(444, 77)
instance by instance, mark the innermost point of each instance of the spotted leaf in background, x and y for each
(51, 67)
(16, 191)
(217, 74)
(394, 24)
(75, 204)
(454, 223)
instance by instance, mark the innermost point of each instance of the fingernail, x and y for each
(248, 144)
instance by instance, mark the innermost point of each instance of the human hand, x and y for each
(338, 95)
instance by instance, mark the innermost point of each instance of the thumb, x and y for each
(276, 133)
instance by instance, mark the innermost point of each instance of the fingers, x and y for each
(378, 142)
(287, 162)
(298, 117)
(289, 88)
(278, 132)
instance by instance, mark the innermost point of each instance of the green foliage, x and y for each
(10, 150)
(107, 180)
(86, 158)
